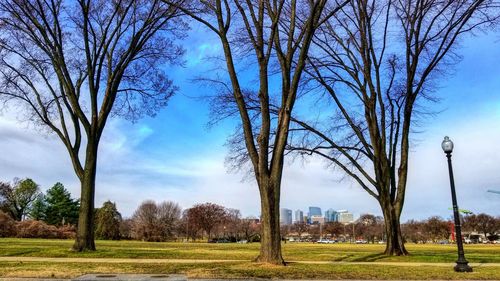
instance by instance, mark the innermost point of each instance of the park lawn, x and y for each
(237, 259)
(231, 251)
(234, 270)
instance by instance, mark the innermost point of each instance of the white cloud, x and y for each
(128, 175)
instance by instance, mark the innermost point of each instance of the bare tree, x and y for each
(370, 227)
(436, 228)
(250, 229)
(334, 228)
(207, 217)
(187, 226)
(169, 214)
(377, 63)
(300, 228)
(267, 33)
(232, 227)
(155, 222)
(414, 231)
(70, 65)
(483, 223)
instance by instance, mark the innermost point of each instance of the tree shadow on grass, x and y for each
(369, 258)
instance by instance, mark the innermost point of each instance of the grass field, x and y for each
(203, 260)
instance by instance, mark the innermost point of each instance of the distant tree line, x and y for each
(27, 212)
(436, 229)
(370, 229)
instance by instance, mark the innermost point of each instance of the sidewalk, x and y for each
(180, 261)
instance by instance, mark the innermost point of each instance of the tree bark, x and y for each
(85, 232)
(270, 241)
(394, 238)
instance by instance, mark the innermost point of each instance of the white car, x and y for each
(325, 241)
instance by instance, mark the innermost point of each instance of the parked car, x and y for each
(219, 240)
(361, 241)
(326, 241)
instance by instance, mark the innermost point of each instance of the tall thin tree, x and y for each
(275, 36)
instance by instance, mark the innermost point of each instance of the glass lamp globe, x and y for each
(447, 145)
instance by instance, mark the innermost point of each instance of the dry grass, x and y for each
(358, 261)
(248, 270)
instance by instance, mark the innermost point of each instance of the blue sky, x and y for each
(176, 157)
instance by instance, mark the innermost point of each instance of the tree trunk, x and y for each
(85, 232)
(395, 243)
(270, 241)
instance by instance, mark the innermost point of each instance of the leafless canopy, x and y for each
(377, 62)
(71, 64)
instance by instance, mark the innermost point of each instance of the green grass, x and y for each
(232, 251)
(349, 254)
(247, 270)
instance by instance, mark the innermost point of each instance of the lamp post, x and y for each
(462, 263)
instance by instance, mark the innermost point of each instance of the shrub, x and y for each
(67, 232)
(36, 229)
(7, 225)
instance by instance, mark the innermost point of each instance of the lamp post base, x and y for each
(462, 266)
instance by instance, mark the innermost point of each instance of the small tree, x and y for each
(18, 199)
(334, 228)
(251, 229)
(126, 228)
(108, 221)
(486, 224)
(155, 222)
(370, 227)
(301, 228)
(436, 228)
(60, 208)
(169, 214)
(414, 231)
(206, 216)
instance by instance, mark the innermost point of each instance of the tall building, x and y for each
(344, 216)
(317, 220)
(330, 215)
(299, 216)
(313, 211)
(285, 216)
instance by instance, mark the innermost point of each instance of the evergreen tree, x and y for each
(60, 209)
(108, 221)
(39, 209)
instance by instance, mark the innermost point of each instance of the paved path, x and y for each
(129, 260)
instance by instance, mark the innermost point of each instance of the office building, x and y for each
(331, 215)
(344, 216)
(285, 216)
(299, 216)
(317, 220)
(313, 211)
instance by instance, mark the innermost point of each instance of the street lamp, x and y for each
(462, 263)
